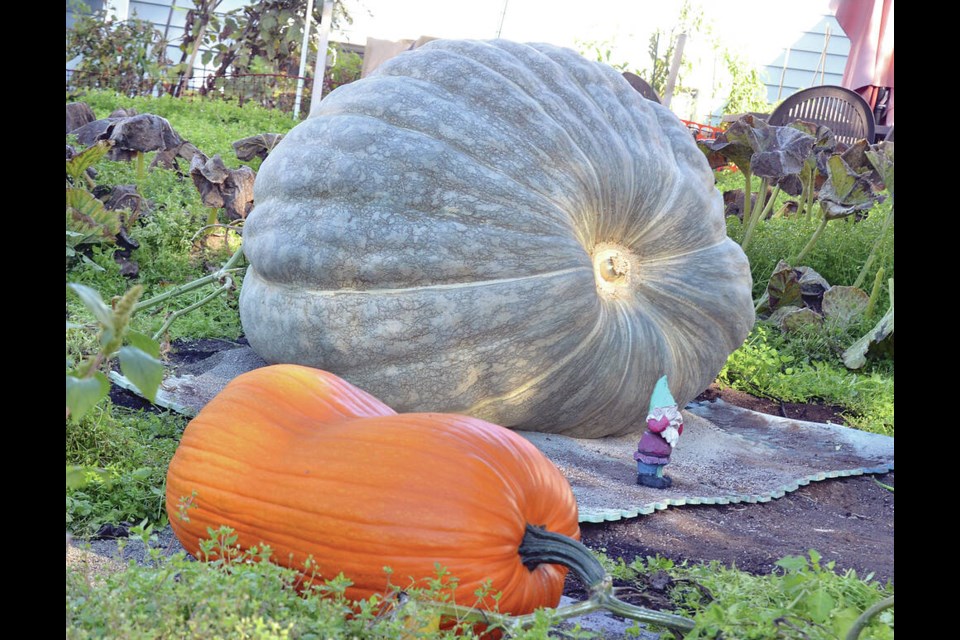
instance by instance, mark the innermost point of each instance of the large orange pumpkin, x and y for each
(305, 462)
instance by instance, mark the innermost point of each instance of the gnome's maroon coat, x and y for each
(653, 449)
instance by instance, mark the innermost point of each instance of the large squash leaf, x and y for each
(780, 151)
(845, 191)
(784, 287)
(881, 157)
(78, 164)
(877, 341)
(842, 306)
(798, 319)
(87, 215)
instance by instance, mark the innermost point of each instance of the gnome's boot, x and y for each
(654, 482)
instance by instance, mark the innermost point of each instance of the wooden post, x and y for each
(207, 8)
(674, 69)
(321, 66)
(166, 28)
(822, 65)
(783, 73)
(303, 59)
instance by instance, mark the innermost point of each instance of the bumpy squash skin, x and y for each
(503, 230)
(305, 462)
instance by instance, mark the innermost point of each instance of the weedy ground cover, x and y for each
(806, 365)
(802, 599)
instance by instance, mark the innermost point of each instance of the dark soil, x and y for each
(181, 355)
(811, 412)
(849, 521)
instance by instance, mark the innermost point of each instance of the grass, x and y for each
(838, 255)
(770, 365)
(132, 450)
(173, 248)
(211, 125)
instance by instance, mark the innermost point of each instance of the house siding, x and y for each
(803, 63)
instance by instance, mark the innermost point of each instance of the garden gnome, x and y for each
(664, 426)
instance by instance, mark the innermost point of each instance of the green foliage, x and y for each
(211, 125)
(602, 51)
(128, 56)
(845, 190)
(662, 45)
(841, 251)
(268, 32)
(172, 251)
(805, 367)
(78, 164)
(124, 455)
(86, 380)
(748, 93)
(805, 599)
(242, 594)
(346, 68)
(88, 222)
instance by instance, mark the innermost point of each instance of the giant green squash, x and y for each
(504, 230)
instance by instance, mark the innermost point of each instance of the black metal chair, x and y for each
(839, 109)
(642, 86)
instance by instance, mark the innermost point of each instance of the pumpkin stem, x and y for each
(540, 546)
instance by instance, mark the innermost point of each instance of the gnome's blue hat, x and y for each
(661, 396)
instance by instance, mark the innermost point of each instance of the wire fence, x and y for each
(272, 91)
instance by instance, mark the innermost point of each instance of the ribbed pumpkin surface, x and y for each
(503, 230)
(301, 460)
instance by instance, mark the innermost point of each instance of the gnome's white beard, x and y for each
(671, 435)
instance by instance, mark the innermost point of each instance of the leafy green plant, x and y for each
(243, 594)
(128, 56)
(147, 601)
(271, 31)
(801, 300)
(88, 221)
(806, 599)
(345, 69)
(775, 154)
(201, 25)
(804, 160)
(846, 191)
(804, 367)
(87, 382)
(748, 93)
(119, 459)
(662, 45)
(840, 253)
(881, 157)
(171, 249)
(878, 340)
(211, 124)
